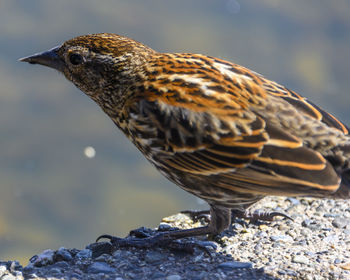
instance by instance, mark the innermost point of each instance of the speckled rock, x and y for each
(315, 245)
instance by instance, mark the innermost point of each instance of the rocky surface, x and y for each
(315, 245)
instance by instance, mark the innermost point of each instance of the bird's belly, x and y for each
(206, 188)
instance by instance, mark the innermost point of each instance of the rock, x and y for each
(331, 238)
(164, 227)
(330, 215)
(340, 222)
(100, 267)
(9, 277)
(293, 200)
(311, 224)
(62, 254)
(154, 257)
(281, 238)
(55, 271)
(173, 277)
(345, 266)
(62, 264)
(158, 275)
(282, 250)
(237, 226)
(43, 259)
(234, 265)
(3, 269)
(84, 254)
(300, 259)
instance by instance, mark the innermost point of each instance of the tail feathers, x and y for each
(343, 191)
(340, 160)
(345, 151)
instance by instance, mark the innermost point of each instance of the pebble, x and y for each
(340, 222)
(63, 255)
(262, 234)
(313, 246)
(237, 226)
(158, 275)
(164, 226)
(155, 257)
(293, 200)
(173, 277)
(263, 227)
(300, 259)
(2, 270)
(55, 270)
(100, 267)
(9, 277)
(281, 238)
(331, 238)
(234, 265)
(43, 259)
(84, 254)
(330, 215)
(345, 266)
(311, 224)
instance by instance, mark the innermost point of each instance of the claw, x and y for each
(197, 215)
(161, 240)
(259, 215)
(268, 216)
(105, 236)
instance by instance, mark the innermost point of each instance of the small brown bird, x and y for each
(216, 129)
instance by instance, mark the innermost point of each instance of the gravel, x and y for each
(315, 245)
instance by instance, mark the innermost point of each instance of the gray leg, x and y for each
(220, 220)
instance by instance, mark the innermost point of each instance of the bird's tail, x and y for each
(341, 162)
(344, 189)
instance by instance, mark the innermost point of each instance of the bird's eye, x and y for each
(76, 59)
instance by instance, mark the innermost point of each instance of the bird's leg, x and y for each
(220, 220)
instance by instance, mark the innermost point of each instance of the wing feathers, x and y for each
(281, 165)
(305, 106)
(228, 133)
(251, 180)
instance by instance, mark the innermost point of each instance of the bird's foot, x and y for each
(259, 215)
(143, 238)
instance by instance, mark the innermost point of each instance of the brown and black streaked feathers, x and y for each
(216, 129)
(220, 121)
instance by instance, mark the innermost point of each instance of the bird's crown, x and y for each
(104, 44)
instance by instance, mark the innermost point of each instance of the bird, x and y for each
(218, 130)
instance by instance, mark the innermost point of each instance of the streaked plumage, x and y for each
(214, 128)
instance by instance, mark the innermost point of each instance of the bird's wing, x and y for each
(303, 105)
(213, 122)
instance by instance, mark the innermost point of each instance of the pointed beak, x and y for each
(49, 58)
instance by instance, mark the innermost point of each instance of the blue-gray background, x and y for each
(51, 194)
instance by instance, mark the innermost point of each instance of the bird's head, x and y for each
(99, 64)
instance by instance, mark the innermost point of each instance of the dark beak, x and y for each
(49, 58)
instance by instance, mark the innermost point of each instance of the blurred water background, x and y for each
(52, 192)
